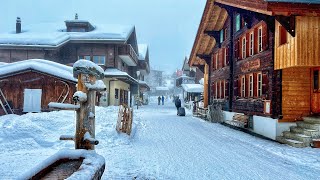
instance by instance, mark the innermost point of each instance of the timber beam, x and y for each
(206, 58)
(215, 35)
(288, 22)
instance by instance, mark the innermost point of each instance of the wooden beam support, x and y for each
(215, 35)
(289, 23)
(206, 58)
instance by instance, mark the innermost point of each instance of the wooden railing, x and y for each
(127, 50)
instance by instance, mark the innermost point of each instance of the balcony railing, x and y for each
(128, 55)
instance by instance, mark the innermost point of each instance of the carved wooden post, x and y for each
(87, 73)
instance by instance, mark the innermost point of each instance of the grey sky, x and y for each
(168, 26)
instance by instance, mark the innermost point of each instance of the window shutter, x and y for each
(227, 56)
(223, 55)
(255, 88)
(212, 90)
(236, 50)
(247, 85)
(264, 37)
(247, 45)
(256, 41)
(212, 62)
(265, 82)
(240, 48)
(235, 87)
(227, 89)
(220, 58)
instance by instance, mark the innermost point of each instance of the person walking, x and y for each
(159, 99)
(162, 99)
(177, 103)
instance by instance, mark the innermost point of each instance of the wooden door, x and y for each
(32, 100)
(315, 90)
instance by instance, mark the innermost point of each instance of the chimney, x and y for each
(18, 25)
(76, 16)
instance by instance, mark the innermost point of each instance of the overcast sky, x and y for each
(168, 26)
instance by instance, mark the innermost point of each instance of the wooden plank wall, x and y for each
(296, 93)
(301, 50)
(308, 40)
(286, 54)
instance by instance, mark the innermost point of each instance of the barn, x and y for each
(30, 85)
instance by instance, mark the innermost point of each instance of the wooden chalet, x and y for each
(30, 85)
(109, 46)
(261, 60)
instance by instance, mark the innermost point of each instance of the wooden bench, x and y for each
(239, 120)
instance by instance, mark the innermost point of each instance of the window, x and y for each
(238, 22)
(251, 43)
(260, 39)
(216, 61)
(220, 90)
(223, 84)
(259, 84)
(251, 85)
(84, 57)
(221, 35)
(315, 80)
(243, 86)
(216, 92)
(244, 47)
(100, 60)
(282, 35)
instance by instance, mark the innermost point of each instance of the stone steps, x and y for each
(309, 132)
(291, 142)
(303, 134)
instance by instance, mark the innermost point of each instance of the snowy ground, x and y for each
(162, 146)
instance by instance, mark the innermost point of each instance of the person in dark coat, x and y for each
(162, 99)
(159, 99)
(177, 103)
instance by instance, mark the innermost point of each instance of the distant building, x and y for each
(113, 47)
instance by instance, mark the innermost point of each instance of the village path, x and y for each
(166, 146)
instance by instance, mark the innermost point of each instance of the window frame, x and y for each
(243, 86)
(99, 59)
(251, 88)
(259, 86)
(225, 56)
(84, 57)
(217, 60)
(251, 44)
(244, 47)
(260, 41)
(238, 22)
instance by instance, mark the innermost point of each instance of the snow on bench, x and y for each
(63, 106)
(239, 120)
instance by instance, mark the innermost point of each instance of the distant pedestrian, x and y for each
(159, 99)
(178, 104)
(162, 99)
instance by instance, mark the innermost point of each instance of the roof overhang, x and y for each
(213, 19)
(294, 9)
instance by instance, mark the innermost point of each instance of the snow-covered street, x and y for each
(162, 146)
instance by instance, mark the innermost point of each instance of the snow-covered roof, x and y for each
(45, 66)
(116, 73)
(143, 48)
(162, 88)
(195, 88)
(3, 63)
(54, 34)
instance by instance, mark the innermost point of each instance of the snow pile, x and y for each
(87, 67)
(63, 105)
(98, 86)
(80, 96)
(192, 88)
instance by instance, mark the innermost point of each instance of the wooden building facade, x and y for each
(262, 60)
(113, 47)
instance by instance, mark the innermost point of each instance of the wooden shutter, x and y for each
(235, 88)
(213, 90)
(264, 37)
(240, 48)
(227, 89)
(256, 41)
(246, 86)
(227, 56)
(247, 45)
(265, 82)
(255, 82)
(212, 63)
(236, 50)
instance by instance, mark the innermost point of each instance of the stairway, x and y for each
(303, 134)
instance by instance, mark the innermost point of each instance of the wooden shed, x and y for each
(30, 85)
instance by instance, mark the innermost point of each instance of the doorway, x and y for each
(32, 100)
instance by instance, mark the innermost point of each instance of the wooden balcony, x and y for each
(128, 55)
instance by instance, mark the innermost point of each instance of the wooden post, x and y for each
(205, 86)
